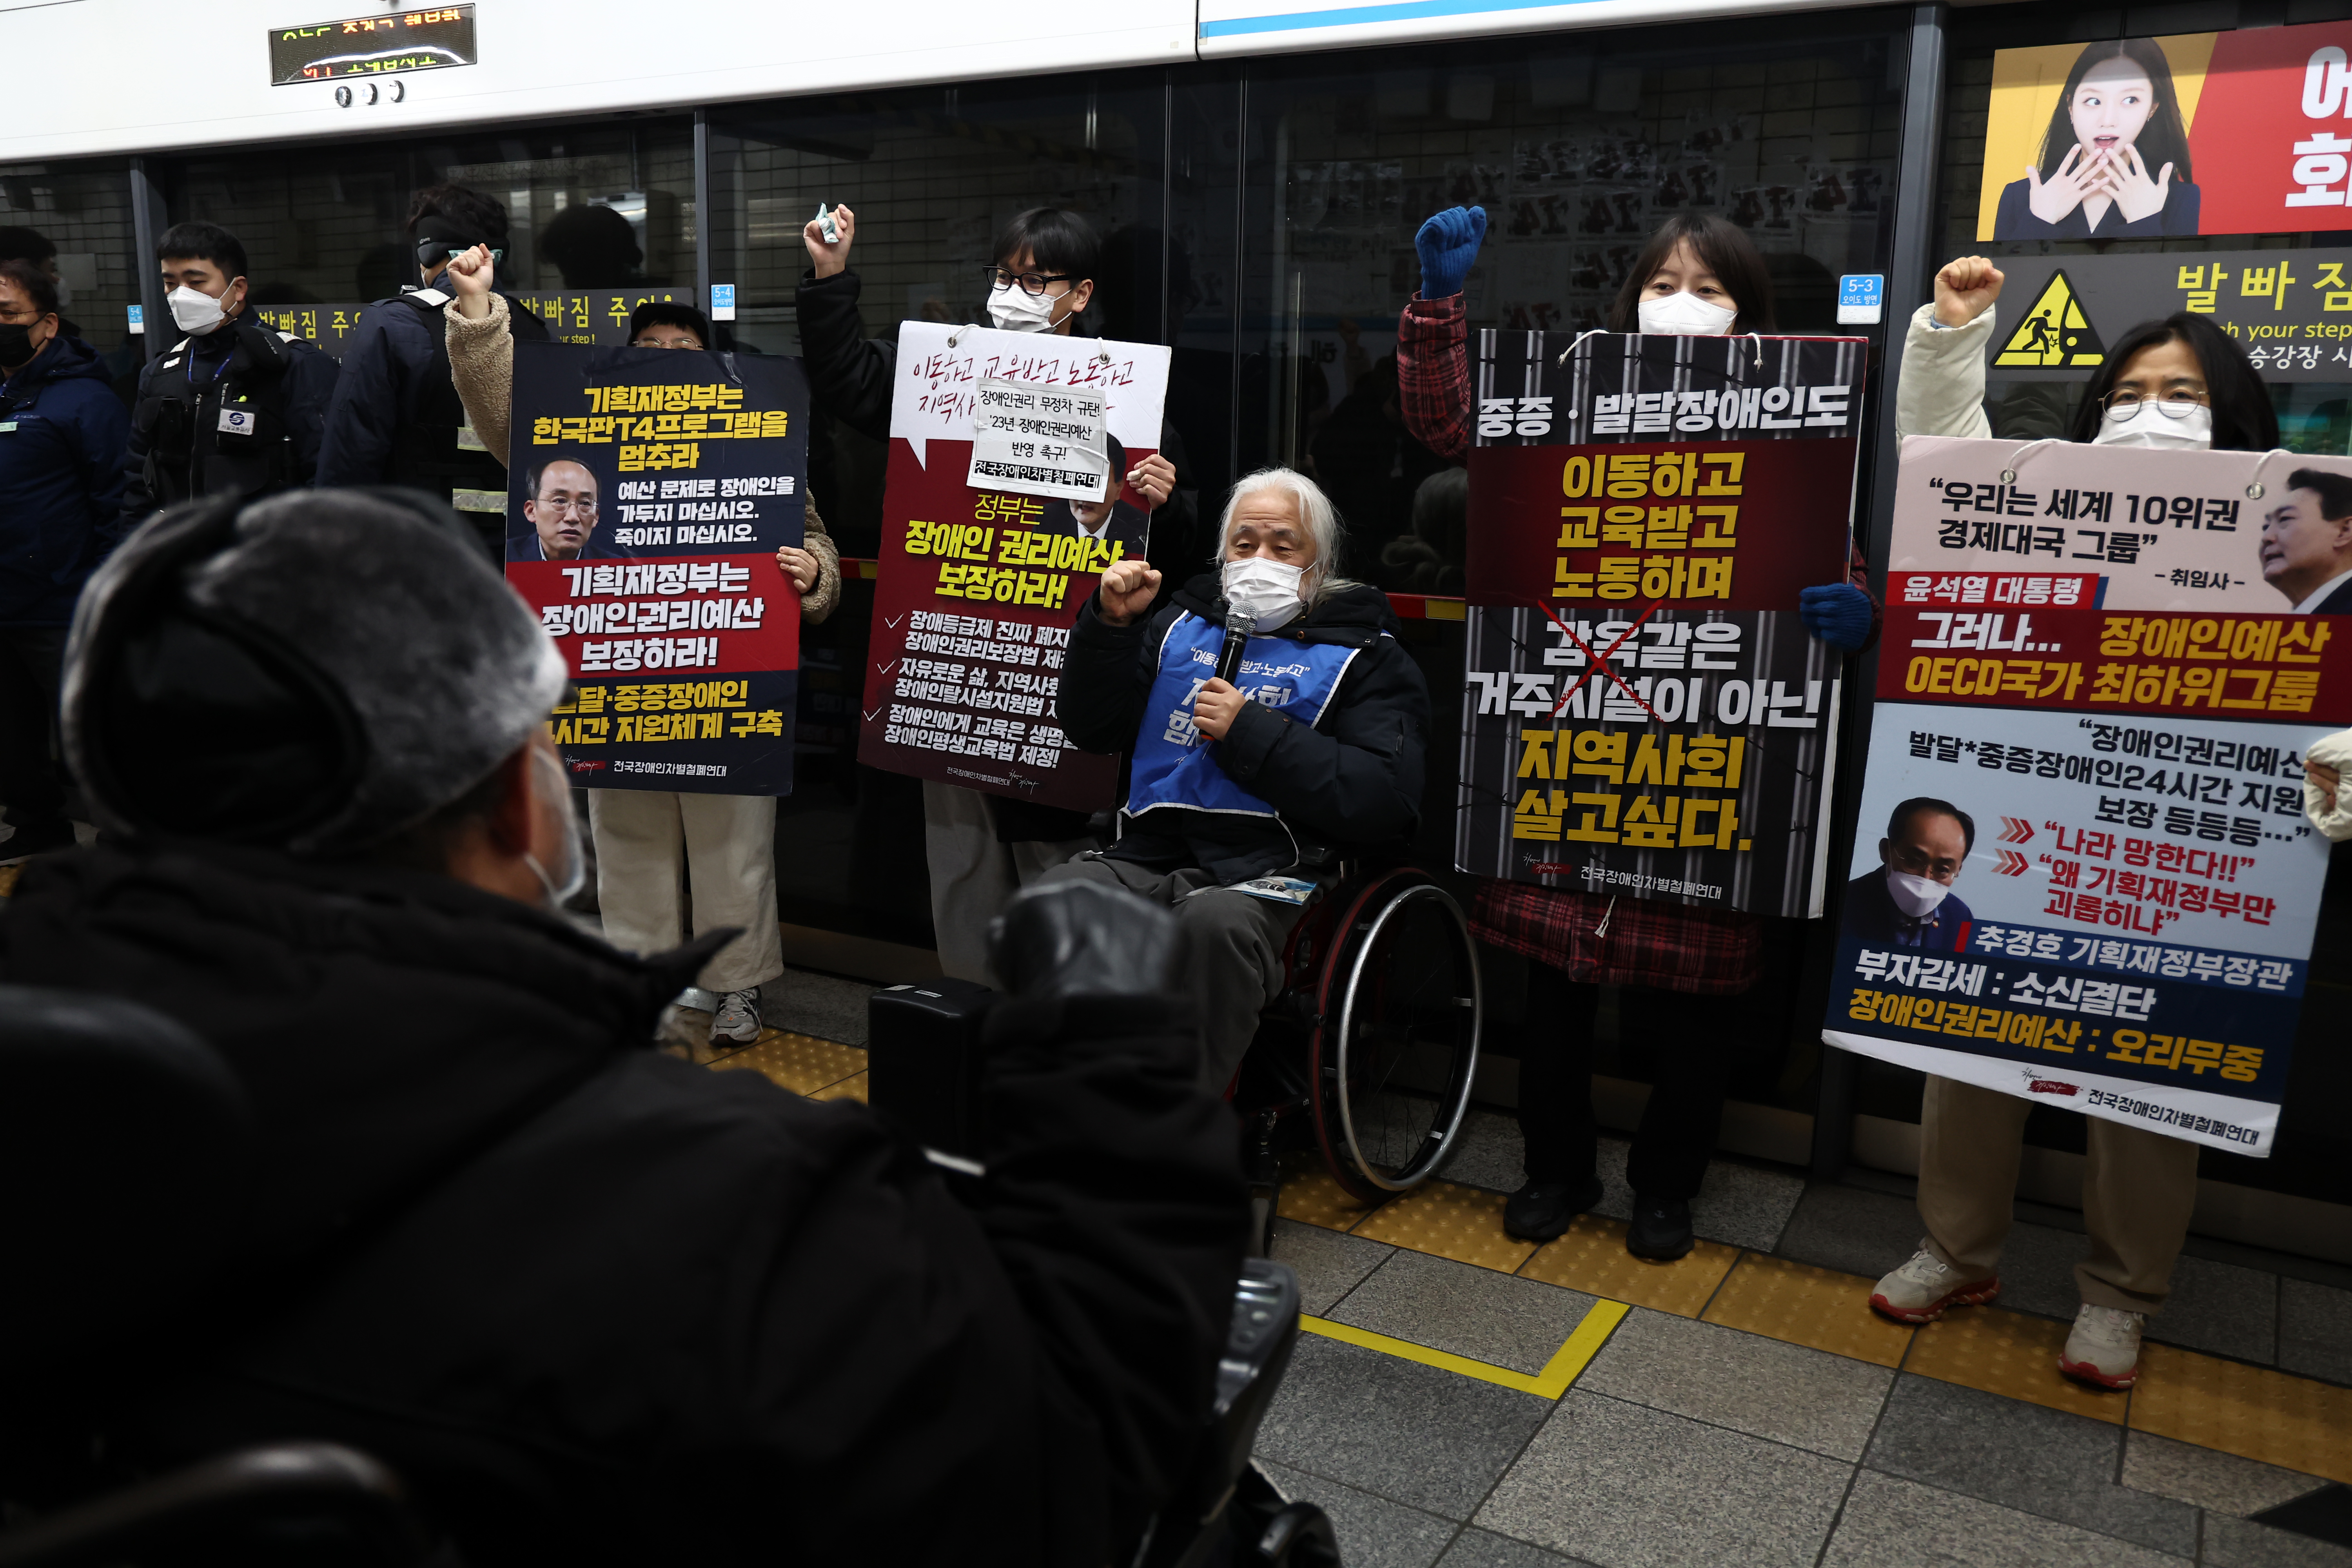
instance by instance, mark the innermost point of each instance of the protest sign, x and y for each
(1644, 714)
(648, 492)
(2095, 887)
(1006, 499)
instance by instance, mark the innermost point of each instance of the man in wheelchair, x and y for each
(595, 1304)
(1246, 794)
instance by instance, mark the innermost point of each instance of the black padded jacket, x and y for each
(600, 1306)
(1349, 783)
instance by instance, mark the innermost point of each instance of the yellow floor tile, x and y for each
(1817, 1308)
(851, 1088)
(801, 1063)
(2009, 1354)
(2249, 1411)
(1310, 1196)
(1465, 1224)
(1591, 1257)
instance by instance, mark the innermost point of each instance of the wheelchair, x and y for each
(1369, 1053)
(98, 1097)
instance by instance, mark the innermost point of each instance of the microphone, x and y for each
(1238, 630)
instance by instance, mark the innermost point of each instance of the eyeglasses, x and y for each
(2179, 404)
(1030, 282)
(14, 313)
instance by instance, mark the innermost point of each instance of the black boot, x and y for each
(1542, 1210)
(1661, 1229)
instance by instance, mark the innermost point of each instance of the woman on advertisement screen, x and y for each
(2115, 161)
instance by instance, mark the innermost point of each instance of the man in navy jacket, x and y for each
(62, 435)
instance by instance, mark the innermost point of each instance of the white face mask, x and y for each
(2151, 426)
(194, 312)
(570, 873)
(1267, 591)
(1015, 309)
(1684, 315)
(1915, 896)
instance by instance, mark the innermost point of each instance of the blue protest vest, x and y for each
(1172, 764)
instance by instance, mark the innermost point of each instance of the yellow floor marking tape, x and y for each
(1566, 1364)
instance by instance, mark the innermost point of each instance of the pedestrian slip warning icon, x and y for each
(2054, 333)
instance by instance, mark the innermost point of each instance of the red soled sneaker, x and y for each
(1920, 1291)
(2104, 1348)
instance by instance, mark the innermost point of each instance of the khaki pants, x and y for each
(726, 844)
(974, 876)
(1232, 952)
(2138, 1188)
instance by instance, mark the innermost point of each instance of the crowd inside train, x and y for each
(581, 1292)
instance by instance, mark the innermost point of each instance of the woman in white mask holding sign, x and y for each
(981, 848)
(2181, 383)
(1676, 967)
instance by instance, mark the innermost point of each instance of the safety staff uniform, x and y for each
(396, 418)
(235, 411)
(1325, 761)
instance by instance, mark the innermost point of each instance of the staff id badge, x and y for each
(235, 421)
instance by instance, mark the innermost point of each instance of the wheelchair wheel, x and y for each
(1396, 1043)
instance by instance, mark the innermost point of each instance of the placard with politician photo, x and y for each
(648, 493)
(2238, 132)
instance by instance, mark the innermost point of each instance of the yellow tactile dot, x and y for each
(851, 1088)
(2009, 1354)
(1465, 1224)
(2249, 1411)
(1803, 1305)
(1591, 1257)
(801, 1063)
(1310, 1196)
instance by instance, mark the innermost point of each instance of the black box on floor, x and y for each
(923, 1061)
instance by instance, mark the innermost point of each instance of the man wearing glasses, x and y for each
(396, 418)
(560, 509)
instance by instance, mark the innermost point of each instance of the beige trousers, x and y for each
(973, 876)
(727, 845)
(2138, 1188)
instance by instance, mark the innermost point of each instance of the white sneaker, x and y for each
(738, 1017)
(1920, 1291)
(2104, 1349)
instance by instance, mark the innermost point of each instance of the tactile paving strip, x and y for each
(1310, 1196)
(1591, 1257)
(8, 875)
(1817, 1308)
(1465, 1224)
(850, 1088)
(801, 1063)
(2249, 1411)
(2011, 1355)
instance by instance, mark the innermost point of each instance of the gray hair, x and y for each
(1314, 509)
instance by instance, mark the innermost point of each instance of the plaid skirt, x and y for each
(1604, 940)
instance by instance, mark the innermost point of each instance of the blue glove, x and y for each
(1838, 614)
(1448, 244)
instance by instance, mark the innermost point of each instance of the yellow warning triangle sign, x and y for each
(2054, 333)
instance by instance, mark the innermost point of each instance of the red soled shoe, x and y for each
(2104, 1348)
(1920, 1291)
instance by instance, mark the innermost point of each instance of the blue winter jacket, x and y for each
(62, 435)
